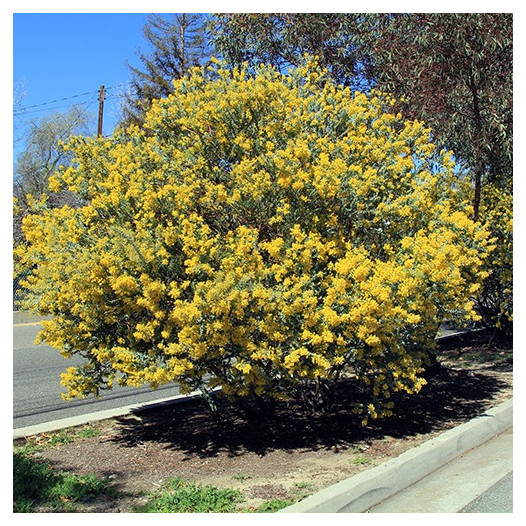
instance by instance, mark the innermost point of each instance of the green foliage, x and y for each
(62, 437)
(274, 505)
(188, 497)
(35, 482)
(75, 488)
(43, 441)
(454, 71)
(281, 39)
(31, 478)
(495, 301)
(42, 156)
(88, 432)
(359, 460)
(177, 45)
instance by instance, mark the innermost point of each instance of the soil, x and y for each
(292, 453)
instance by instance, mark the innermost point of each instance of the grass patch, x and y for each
(35, 483)
(274, 505)
(180, 496)
(359, 459)
(88, 432)
(304, 489)
(43, 441)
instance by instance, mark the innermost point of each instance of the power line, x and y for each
(21, 112)
(35, 108)
(54, 101)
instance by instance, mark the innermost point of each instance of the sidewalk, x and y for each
(361, 493)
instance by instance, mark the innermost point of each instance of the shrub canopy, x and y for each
(262, 233)
(495, 300)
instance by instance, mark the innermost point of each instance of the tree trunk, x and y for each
(478, 184)
(477, 143)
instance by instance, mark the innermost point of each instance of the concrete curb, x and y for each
(359, 493)
(57, 425)
(20, 317)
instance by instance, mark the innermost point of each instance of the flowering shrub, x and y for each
(495, 301)
(261, 233)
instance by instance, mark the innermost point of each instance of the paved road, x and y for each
(36, 384)
(498, 499)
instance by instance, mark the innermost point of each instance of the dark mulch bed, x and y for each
(272, 457)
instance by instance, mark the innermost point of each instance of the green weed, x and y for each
(273, 505)
(359, 459)
(88, 432)
(43, 441)
(187, 497)
(241, 477)
(36, 482)
(303, 489)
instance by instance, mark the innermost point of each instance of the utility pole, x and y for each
(101, 108)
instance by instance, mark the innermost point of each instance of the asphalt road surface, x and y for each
(36, 384)
(497, 499)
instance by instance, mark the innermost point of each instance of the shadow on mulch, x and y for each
(450, 398)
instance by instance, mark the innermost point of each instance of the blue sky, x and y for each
(69, 56)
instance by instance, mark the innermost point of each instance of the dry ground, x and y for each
(291, 454)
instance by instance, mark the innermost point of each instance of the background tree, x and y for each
(176, 46)
(281, 39)
(42, 155)
(454, 71)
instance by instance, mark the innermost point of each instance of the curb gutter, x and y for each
(57, 425)
(20, 317)
(359, 493)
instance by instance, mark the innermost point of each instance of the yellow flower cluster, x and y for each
(495, 299)
(262, 231)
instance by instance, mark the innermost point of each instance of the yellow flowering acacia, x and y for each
(495, 301)
(263, 233)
